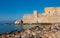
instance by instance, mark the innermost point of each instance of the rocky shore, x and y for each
(41, 31)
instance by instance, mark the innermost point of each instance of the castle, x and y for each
(50, 15)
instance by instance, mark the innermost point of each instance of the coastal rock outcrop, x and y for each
(17, 22)
(41, 31)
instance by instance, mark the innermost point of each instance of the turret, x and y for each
(35, 13)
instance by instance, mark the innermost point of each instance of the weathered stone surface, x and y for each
(50, 15)
(45, 31)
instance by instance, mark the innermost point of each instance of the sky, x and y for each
(15, 9)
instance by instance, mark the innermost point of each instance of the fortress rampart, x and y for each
(50, 15)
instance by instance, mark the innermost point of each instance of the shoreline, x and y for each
(37, 24)
(42, 29)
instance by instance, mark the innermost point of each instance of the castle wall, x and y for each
(51, 11)
(42, 20)
(28, 18)
(57, 11)
(51, 15)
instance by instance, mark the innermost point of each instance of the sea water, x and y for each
(7, 28)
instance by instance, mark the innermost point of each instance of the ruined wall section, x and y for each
(58, 11)
(42, 18)
(50, 11)
(53, 14)
(28, 18)
(50, 15)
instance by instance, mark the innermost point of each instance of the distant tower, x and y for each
(35, 14)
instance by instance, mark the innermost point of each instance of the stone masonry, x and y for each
(50, 15)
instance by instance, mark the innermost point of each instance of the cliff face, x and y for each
(50, 15)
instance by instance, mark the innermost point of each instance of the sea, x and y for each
(4, 28)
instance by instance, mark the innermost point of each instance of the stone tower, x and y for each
(50, 11)
(35, 14)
